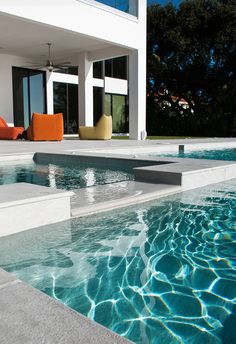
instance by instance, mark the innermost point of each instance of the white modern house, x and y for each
(95, 62)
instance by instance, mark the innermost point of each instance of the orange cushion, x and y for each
(10, 133)
(46, 127)
(3, 124)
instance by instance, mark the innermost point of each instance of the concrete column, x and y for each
(137, 95)
(50, 105)
(85, 90)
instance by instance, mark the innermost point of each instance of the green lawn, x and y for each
(124, 137)
(156, 137)
(170, 137)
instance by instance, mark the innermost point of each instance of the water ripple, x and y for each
(160, 272)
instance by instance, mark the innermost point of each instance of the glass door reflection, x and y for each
(29, 94)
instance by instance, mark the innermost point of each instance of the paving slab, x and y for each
(6, 278)
(187, 173)
(28, 316)
(25, 192)
(9, 147)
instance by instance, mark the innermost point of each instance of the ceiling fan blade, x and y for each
(64, 66)
(33, 66)
(60, 67)
(73, 66)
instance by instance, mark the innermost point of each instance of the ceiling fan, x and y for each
(50, 64)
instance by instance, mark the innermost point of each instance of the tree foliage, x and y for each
(191, 55)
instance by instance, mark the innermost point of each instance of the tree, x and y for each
(191, 54)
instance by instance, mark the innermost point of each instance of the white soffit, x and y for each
(28, 39)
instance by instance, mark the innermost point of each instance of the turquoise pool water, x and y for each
(62, 176)
(159, 272)
(214, 154)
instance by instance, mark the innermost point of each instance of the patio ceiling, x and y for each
(28, 39)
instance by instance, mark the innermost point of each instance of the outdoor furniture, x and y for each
(101, 131)
(9, 133)
(46, 127)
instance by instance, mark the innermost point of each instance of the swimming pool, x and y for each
(214, 154)
(63, 176)
(159, 272)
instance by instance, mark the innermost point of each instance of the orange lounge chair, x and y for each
(46, 127)
(9, 133)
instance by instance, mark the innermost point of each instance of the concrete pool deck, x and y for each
(25, 147)
(27, 315)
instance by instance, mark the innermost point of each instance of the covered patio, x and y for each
(24, 45)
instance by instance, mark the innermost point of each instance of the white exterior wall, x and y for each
(137, 95)
(137, 82)
(117, 86)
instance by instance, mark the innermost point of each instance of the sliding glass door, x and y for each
(116, 106)
(29, 94)
(65, 98)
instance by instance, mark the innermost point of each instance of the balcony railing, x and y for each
(128, 6)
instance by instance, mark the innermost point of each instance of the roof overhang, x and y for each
(28, 39)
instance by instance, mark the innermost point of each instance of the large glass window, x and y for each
(116, 68)
(116, 106)
(69, 70)
(109, 68)
(98, 70)
(65, 97)
(29, 94)
(128, 6)
(97, 103)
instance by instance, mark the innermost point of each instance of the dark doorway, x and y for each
(29, 94)
(65, 98)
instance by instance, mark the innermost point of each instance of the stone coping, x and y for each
(29, 316)
(24, 206)
(23, 193)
